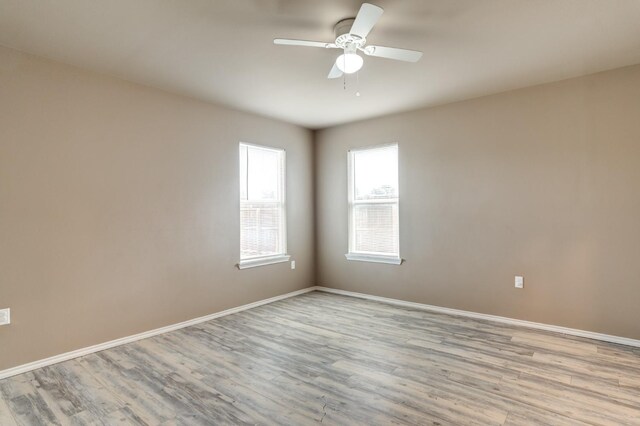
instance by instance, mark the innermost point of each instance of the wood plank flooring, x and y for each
(324, 358)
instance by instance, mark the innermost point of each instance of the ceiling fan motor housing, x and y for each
(346, 40)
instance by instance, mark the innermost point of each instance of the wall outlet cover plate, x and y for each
(5, 316)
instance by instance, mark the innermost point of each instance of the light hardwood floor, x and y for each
(323, 358)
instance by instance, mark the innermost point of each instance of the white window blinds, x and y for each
(262, 202)
(373, 202)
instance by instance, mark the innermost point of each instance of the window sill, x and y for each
(392, 260)
(262, 261)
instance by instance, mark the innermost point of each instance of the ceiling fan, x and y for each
(351, 36)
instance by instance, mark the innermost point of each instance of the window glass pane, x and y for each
(262, 207)
(263, 174)
(260, 229)
(376, 173)
(373, 201)
(376, 228)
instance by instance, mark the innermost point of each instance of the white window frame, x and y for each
(352, 254)
(254, 261)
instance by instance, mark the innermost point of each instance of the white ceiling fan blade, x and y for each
(393, 53)
(366, 18)
(335, 72)
(291, 42)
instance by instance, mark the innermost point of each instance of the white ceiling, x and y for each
(222, 51)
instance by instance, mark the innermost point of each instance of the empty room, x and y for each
(298, 212)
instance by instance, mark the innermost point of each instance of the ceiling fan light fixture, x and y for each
(349, 63)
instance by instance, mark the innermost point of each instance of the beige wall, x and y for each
(119, 208)
(543, 182)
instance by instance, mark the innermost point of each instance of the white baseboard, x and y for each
(511, 321)
(106, 345)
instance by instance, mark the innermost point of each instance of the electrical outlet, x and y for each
(293, 264)
(519, 282)
(5, 316)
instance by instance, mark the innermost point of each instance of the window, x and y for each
(373, 205)
(263, 237)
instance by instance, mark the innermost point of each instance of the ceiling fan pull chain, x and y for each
(358, 83)
(344, 64)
